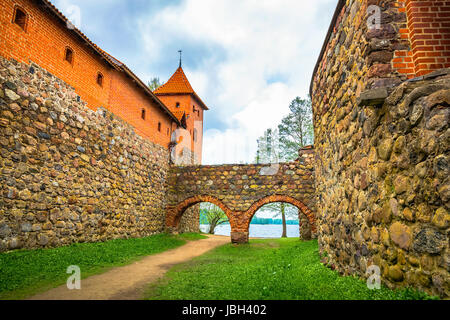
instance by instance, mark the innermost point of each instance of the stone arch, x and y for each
(281, 198)
(174, 214)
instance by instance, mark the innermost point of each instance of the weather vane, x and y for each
(180, 52)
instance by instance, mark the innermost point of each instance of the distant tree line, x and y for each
(205, 219)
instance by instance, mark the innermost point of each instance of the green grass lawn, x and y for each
(27, 272)
(280, 269)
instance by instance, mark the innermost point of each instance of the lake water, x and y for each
(258, 230)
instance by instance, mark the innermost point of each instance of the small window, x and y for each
(143, 114)
(68, 56)
(20, 18)
(159, 126)
(100, 79)
(178, 104)
(195, 135)
(193, 108)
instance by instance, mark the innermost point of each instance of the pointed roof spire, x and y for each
(180, 52)
(178, 84)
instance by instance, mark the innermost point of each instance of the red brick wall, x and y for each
(44, 42)
(127, 102)
(402, 61)
(187, 102)
(429, 34)
(196, 116)
(171, 100)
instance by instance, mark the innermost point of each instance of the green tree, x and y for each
(214, 216)
(296, 129)
(285, 210)
(283, 143)
(154, 83)
(268, 147)
(270, 151)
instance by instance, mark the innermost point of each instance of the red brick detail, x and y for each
(239, 221)
(186, 105)
(428, 32)
(174, 214)
(282, 198)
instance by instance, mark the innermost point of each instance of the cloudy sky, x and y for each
(246, 59)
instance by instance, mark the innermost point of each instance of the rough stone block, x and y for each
(373, 97)
(239, 237)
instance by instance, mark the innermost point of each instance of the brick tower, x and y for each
(179, 97)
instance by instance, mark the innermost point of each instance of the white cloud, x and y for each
(262, 40)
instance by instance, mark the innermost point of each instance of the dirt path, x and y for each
(129, 282)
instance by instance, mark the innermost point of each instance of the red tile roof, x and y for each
(116, 64)
(178, 84)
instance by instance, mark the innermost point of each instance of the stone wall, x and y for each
(382, 154)
(240, 190)
(69, 174)
(384, 188)
(190, 221)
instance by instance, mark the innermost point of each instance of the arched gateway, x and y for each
(240, 190)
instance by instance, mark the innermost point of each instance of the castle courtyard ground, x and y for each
(205, 267)
(128, 282)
